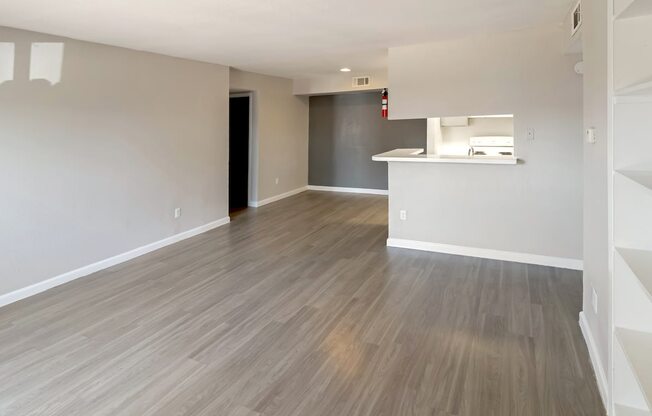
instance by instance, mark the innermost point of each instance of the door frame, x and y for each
(252, 180)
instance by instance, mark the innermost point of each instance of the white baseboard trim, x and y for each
(256, 204)
(600, 374)
(39, 287)
(485, 253)
(348, 190)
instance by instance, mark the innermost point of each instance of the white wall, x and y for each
(596, 176)
(340, 82)
(281, 133)
(572, 44)
(93, 166)
(534, 207)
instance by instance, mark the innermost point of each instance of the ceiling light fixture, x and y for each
(345, 69)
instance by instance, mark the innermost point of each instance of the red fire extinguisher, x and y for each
(385, 103)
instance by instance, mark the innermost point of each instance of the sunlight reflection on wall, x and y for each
(46, 61)
(7, 53)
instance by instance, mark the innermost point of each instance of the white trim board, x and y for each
(598, 369)
(39, 287)
(256, 204)
(485, 253)
(348, 190)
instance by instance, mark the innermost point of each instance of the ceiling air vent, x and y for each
(576, 17)
(361, 81)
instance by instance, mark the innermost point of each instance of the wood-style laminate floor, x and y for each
(298, 308)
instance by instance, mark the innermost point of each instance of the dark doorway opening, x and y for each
(238, 153)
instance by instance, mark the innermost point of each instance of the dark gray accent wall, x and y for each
(346, 130)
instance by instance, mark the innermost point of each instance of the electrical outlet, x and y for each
(177, 212)
(403, 215)
(594, 300)
(590, 136)
(276, 181)
(530, 133)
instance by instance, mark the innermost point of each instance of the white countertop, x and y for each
(417, 155)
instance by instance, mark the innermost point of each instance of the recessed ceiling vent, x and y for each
(576, 17)
(361, 81)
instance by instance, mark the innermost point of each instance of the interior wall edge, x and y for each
(594, 354)
(279, 131)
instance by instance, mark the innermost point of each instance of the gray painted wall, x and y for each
(93, 166)
(346, 130)
(534, 207)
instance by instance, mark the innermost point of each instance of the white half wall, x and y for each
(94, 160)
(534, 207)
(280, 129)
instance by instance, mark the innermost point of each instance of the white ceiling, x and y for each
(291, 38)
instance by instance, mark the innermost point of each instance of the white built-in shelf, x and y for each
(636, 8)
(639, 89)
(640, 262)
(630, 58)
(630, 411)
(637, 347)
(641, 177)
